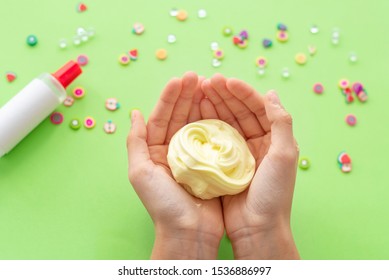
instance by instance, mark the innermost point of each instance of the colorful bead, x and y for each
(68, 102)
(10, 76)
(79, 92)
(32, 40)
(182, 15)
(161, 54)
(343, 83)
(282, 36)
(304, 163)
(344, 162)
(219, 54)
(75, 124)
(261, 62)
(109, 127)
(351, 120)
(138, 28)
(89, 122)
(357, 87)
(81, 7)
(82, 60)
(124, 59)
(300, 58)
(202, 13)
(56, 118)
(282, 27)
(267, 43)
(133, 54)
(318, 88)
(244, 35)
(227, 31)
(112, 104)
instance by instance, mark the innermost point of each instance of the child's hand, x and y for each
(258, 220)
(186, 227)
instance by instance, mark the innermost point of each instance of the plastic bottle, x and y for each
(36, 101)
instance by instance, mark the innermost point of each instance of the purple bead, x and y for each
(357, 88)
(282, 27)
(243, 34)
(267, 43)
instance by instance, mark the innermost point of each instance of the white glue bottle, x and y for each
(36, 101)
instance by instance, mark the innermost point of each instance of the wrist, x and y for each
(265, 243)
(184, 244)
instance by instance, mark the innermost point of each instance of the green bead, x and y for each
(32, 40)
(227, 31)
(75, 124)
(304, 163)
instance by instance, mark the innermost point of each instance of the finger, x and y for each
(181, 110)
(138, 151)
(207, 109)
(252, 99)
(195, 113)
(282, 139)
(222, 110)
(158, 122)
(245, 117)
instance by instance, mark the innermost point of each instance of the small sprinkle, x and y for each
(161, 54)
(202, 13)
(56, 118)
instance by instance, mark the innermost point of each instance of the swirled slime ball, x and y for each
(209, 158)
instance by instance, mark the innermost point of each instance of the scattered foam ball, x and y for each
(304, 163)
(161, 54)
(182, 15)
(32, 40)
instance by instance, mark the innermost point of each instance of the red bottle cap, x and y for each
(68, 73)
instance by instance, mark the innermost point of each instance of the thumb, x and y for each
(282, 139)
(138, 150)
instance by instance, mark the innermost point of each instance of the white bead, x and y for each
(285, 73)
(63, 43)
(314, 29)
(202, 13)
(171, 39)
(214, 46)
(173, 12)
(216, 62)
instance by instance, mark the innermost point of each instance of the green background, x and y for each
(65, 194)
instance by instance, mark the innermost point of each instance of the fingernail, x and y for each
(133, 114)
(273, 97)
